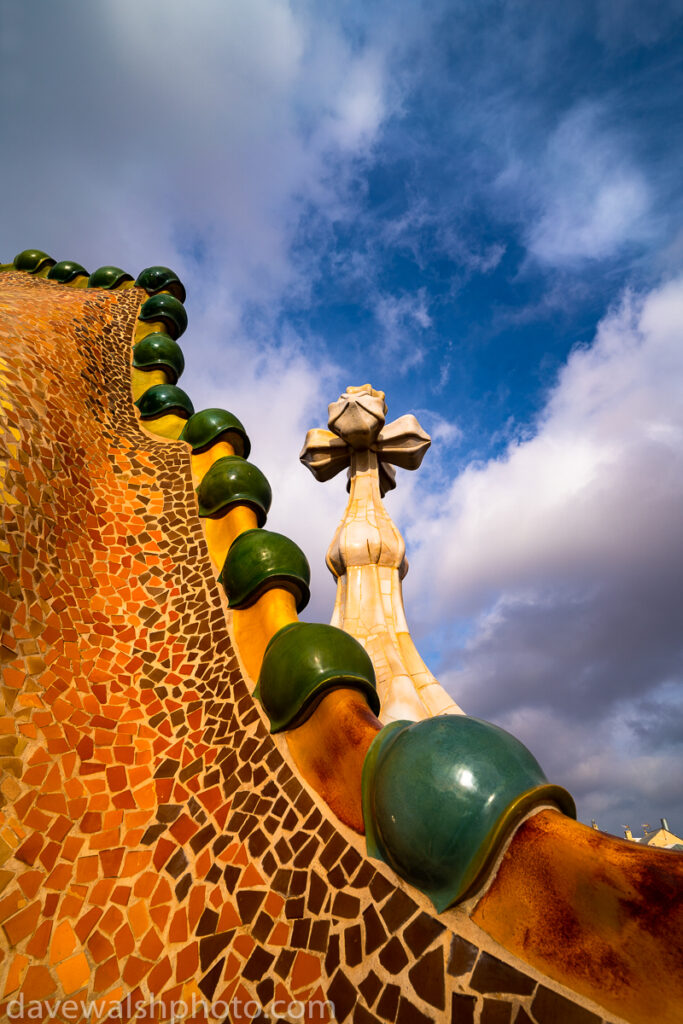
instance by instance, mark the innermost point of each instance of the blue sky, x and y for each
(476, 207)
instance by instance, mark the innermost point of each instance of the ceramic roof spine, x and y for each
(158, 355)
(111, 278)
(440, 798)
(367, 554)
(259, 560)
(208, 426)
(266, 578)
(33, 261)
(305, 660)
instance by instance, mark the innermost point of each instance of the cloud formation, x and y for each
(566, 556)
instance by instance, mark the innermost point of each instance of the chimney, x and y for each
(665, 824)
(627, 832)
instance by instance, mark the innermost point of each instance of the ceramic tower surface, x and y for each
(197, 789)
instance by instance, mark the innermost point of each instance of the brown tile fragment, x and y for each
(168, 769)
(375, 935)
(388, 1004)
(343, 995)
(295, 908)
(300, 930)
(177, 864)
(462, 957)
(50, 905)
(393, 957)
(362, 879)
(284, 963)
(345, 905)
(232, 874)
(124, 941)
(183, 887)
(168, 812)
(333, 851)
(249, 903)
(353, 946)
(397, 910)
(462, 1008)
(427, 978)
(265, 991)
(319, 936)
(207, 922)
(298, 883)
(495, 1011)
(549, 1007)
(110, 861)
(207, 984)
(493, 975)
(421, 932)
(317, 892)
(258, 964)
(135, 969)
(262, 927)
(36, 947)
(332, 958)
(408, 1013)
(370, 988)
(380, 887)
(160, 975)
(100, 947)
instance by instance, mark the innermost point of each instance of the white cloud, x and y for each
(402, 319)
(194, 141)
(593, 199)
(567, 554)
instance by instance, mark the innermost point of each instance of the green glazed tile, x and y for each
(233, 481)
(163, 399)
(156, 279)
(440, 797)
(32, 260)
(159, 351)
(207, 427)
(108, 277)
(304, 661)
(259, 560)
(65, 271)
(167, 308)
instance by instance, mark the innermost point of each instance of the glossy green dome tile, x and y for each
(441, 796)
(303, 662)
(212, 425)
(157, 279)
(259, 560)
(162, 399)
(32, 260)
(167, 308)
(159, 352)
(108, 277)
(65, 271)
(233, 481)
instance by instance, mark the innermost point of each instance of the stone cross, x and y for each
(367, 554)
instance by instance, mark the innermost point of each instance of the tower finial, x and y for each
(367, 554)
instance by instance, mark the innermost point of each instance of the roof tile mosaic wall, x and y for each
(155, 846)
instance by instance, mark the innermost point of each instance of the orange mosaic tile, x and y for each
(163, 843)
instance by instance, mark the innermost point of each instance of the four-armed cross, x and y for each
(367, 554)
